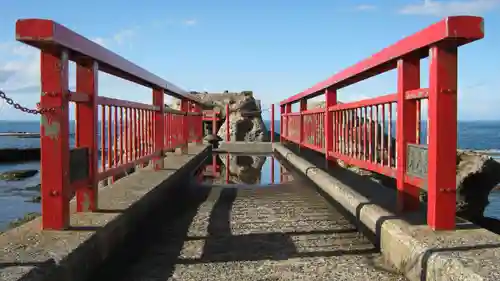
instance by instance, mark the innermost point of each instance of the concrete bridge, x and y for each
(155, 219)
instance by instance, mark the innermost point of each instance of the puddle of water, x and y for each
(238, 169)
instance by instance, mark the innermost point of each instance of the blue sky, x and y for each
(275, 48)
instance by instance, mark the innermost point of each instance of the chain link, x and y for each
(17, 106)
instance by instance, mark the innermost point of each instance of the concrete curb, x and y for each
(414, 250)
(74, 254)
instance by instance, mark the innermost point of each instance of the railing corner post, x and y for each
(272, 123)
(199, 121)
(54, 141)
(302, 108)
(330, 100)
(159, 127)
(406, 124)
(228, 127)
(442, 145)
(282, 121)
(185, 126)
(86, 132)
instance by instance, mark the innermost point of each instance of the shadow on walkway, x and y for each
(222, 246)
(179, 209)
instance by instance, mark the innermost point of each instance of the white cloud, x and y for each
(190, 22)
(366, 7)
(122, 37)
(125, 36)
(22, 71)
(454, 7)
(20, 74)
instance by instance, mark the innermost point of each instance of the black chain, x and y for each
(17, 106)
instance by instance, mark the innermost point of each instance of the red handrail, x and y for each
(50, 36)
(129, 134)
(456, 31)
(361, 133)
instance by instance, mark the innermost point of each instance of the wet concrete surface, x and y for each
(282, 232)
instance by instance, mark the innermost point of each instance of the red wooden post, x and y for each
(86, 126)
(185, 126)
(54, 141)
(272, 169)
(441, 180)
(190, 124)
(303, 107)
(227, 168)
(282, 111)
(228, 135)
(330, 100)
(214, 166)
(199, 121)
(159, 127)
(408, 79)
(272, 122)
(214, 122)
(288, 109)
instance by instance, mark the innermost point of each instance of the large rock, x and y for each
(245, 120)
(477, 175)
(17, 175)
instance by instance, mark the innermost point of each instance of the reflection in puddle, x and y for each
(243, 170)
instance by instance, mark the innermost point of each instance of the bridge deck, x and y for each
(284, 232)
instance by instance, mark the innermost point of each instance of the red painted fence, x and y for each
(360, 133)
(128, 133)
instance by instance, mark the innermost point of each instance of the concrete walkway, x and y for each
(28, 253)
(287, 232)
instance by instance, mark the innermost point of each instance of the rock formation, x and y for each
(477, 175)
(17, 175)
(245, 120)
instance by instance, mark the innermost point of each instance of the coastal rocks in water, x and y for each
(37, 187)
(17, 175)
(35, 199)
(13, 155)
(477, 175)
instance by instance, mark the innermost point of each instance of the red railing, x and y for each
(361, 133)
(128, 133)
(210, 115)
